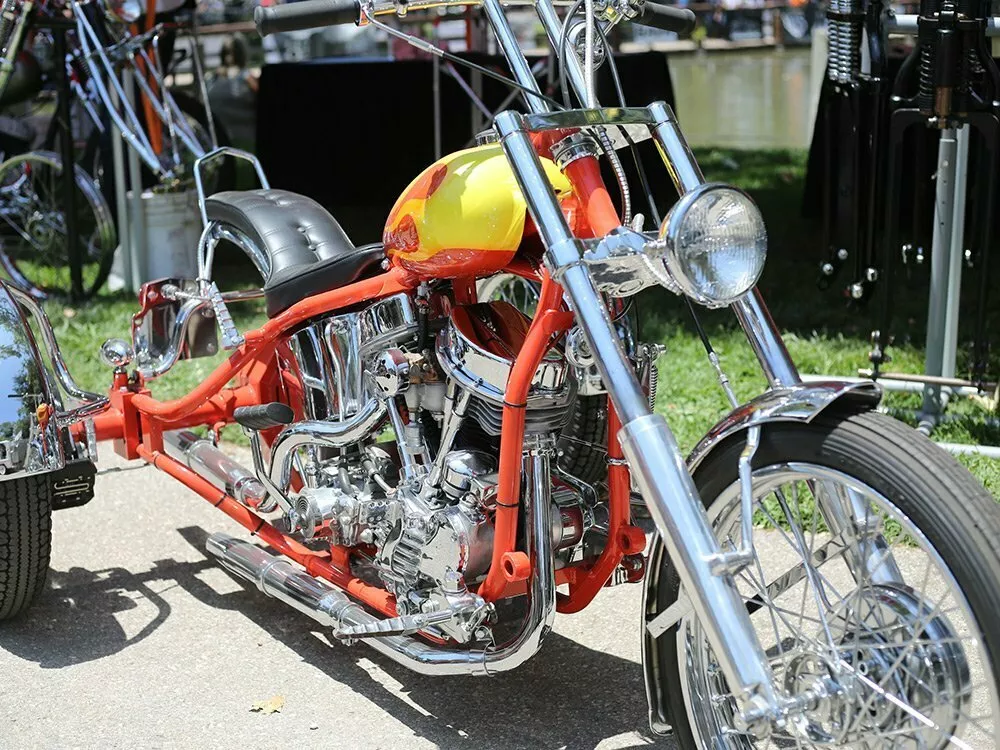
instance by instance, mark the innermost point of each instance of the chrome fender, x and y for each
(30, 440)
(800, 403)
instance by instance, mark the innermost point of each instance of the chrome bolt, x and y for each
(827, 269)
(842, 254)
(857, 290)
(452, 583)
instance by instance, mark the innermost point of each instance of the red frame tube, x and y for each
(588, 186)
(548, 322)
(136, 421)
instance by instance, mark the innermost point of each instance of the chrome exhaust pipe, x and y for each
(280, 578)
(207, 461)
(326, 433)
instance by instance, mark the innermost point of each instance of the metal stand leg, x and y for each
(946, 258)
(68, 164)
(137, 227)
(121, 200)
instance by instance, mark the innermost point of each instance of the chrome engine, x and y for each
(417, 509)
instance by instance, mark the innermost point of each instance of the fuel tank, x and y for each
(464, 216)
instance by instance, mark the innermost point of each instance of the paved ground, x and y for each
(141, 641)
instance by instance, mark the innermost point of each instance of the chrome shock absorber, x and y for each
(845, 19)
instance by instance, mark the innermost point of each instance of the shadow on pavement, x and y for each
(568, 695)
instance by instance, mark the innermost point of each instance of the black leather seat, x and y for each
(309, 251)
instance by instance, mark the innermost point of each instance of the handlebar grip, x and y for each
(309, 14)
(666, 17)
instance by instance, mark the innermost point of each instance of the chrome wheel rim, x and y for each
(875, 620)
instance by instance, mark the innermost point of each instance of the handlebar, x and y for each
(666, 17)
(308, 14)
(311, 14)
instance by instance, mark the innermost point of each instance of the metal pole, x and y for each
(121, 199)
(436, 68)
(957, 255)
(476, 81)
(944, 205)
(137, 224)
(68, 164)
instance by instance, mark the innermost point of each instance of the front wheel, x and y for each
(874, 592)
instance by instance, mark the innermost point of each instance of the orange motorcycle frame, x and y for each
(136, 422)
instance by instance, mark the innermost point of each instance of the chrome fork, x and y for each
(647, 441)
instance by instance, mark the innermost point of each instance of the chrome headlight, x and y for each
(715, 244)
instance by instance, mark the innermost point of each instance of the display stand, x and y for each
(939, 383)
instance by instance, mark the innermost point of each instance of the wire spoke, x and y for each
(902, 627)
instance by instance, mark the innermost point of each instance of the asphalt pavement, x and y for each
(141, 640)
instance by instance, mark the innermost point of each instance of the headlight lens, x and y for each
(126, 11)
(715, 244)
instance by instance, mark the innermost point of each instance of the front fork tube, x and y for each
(648, 444)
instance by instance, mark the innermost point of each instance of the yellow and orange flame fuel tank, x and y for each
(463, 216)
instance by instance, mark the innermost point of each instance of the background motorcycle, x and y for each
(168, 129)
(862, 614)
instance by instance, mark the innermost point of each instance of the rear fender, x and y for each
(801, 403)
(30, 440)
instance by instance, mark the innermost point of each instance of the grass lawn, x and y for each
(823, 335)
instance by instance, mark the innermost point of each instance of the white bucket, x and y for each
(172, 226)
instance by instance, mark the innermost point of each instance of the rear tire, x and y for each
(25, 541)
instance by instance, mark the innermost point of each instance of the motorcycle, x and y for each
(821, 575)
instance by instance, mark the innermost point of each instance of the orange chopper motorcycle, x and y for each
(437, 476)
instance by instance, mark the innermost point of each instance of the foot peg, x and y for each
(263, 416)
(231, 337)
(402, 625)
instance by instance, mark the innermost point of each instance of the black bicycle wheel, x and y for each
(34, 248)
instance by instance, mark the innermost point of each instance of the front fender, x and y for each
(800, 403)
(30, 440)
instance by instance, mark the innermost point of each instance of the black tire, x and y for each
(25, 541)
(582, 445)
(941, 498)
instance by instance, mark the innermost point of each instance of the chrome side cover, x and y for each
(486, 374)
(801, 403)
